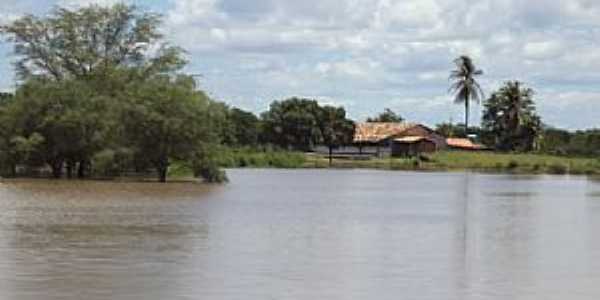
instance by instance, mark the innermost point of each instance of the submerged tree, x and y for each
(509, 116)
(167, 119)
(465, 86)
(100, 82)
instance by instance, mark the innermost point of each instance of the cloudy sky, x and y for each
(370, 54)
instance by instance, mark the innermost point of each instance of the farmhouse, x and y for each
(396, 139)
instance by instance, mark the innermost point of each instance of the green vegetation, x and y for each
(93, 97)
(476, 161)
(300, 124)
(509, 118)
(256, 158)
(387, 116)
(585, 143)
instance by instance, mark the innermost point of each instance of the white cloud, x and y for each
(79, 3)
(543, 50)
(371, 54)
(378, 53)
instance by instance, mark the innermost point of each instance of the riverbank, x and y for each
(441, 161)
(489, 162)
(476, 161)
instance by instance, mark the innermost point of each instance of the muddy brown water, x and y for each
(303, 234)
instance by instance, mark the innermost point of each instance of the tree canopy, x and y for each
(100, 89)
(301, 124)
(387, 116)
(464, 85)
(91, 41)
(509, 115)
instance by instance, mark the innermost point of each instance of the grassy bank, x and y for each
(253, 158)
(478, 161)
(245, 158)
(441, 161)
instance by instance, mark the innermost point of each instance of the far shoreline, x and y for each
(440, 162)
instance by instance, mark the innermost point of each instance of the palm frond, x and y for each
(455, 86)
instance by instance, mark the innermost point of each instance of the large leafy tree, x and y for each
(245, 127)
(465, 86)
(69, 129)
(336, 129)
(101, 80)
(510, 116)
(167, 119)
(293, 123)
(90, 41)
(387, 116)
(301, 124)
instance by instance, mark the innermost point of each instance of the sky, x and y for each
(367, 55)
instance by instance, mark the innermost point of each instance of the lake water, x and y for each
(303, 234)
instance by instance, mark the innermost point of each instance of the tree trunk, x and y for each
(13, 170)
(162, 167)
(81, 169)
(330, 156)
(162, 174)
(57, 168)
(467, 116)
(70, 169)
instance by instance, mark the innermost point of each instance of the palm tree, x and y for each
(510, 115)
(464, 85)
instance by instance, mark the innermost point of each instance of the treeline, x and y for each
(295, 124)
(510, 124)
(102, 94)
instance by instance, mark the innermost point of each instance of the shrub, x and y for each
(513, 164)
(557, 168)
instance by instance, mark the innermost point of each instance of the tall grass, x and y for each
(479, 161)
(522, 163)
(255, 158)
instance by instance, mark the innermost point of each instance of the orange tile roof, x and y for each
(375, 132)
(463, 143)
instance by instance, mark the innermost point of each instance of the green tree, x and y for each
(101, 83)
(450, 130)
(166, 119)
(509, 115)
(336, 129)
(387, 116)
(71, 129)
(245, 126)
(585, 143)
(555, 141)
(90, 41)
(465, 86)
(293, 123)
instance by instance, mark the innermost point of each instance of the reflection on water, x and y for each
(309, 234)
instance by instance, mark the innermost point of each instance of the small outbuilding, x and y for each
(412, 146)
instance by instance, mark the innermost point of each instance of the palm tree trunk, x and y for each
(467, 116)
